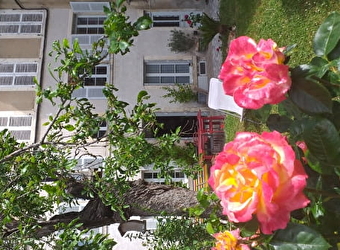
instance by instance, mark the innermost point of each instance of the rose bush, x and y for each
(229, 240)
(254, 73)
(259, 175)
(259, 179)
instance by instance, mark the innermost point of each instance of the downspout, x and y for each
(42, 58)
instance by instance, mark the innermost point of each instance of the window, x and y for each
(87, 166)
(88, 29)
(18, 74)
(169, 18)
(94, 85)
(89, 25)
(153, 176)
(202, 68)
(86, 163)
(21, 23)
(167, 72)
(102, 130)
(188, 125)
(19, 126)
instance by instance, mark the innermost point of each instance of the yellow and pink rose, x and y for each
(255, 74)
(229, 240)
(259, 175)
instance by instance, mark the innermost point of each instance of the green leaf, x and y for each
(143, 23)
(209, 227)
(288, 108)
(119, 3)
(141, 95)
(69, 127)
(327, 36)
(310, 96)
(66, 43)
(123, 46)
(323, 141)
(336, 114)
(298, 237)
(107, 10)
(317, 166)
(279, 123)
(319, 66)
(263, 113)
(335, 53)
(249, 228)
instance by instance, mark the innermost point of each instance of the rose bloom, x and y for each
(259, 175)
(229, 241)
(254, 73)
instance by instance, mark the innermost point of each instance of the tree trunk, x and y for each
(143, 199)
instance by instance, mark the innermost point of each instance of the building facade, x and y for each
(28, 29)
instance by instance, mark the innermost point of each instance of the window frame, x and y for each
(170, 19)
(156, 179)
(26, 128)
(14, 74)
(98, 26)
(87, 39)
(21, 23)
(162, 75)
(85, 91)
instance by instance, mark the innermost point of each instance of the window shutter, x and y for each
(32, 17)
(21, 23)
(24, 80)
(9, 29)
(26, 67)
(18, 73)
(88, 6)
(19, 126)
(20, 121)
(9, 17)
(28, 29)
(6, 68)
(95, 93)
(3, 121)
(21, 135)
(6, 80)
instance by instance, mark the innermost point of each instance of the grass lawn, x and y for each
(287, 22)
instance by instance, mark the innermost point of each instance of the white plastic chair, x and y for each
(218, 100)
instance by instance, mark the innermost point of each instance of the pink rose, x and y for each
(259, 175)
(229, 241)
(254, 73)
